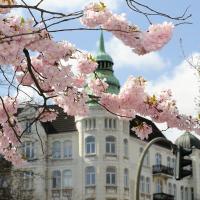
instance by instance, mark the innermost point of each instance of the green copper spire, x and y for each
(105, 67)
(102, 55)
(101, 43)
(104, 70)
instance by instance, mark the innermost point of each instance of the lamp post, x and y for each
(139, 166)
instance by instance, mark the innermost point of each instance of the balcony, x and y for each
(162, 196)
(162, 170)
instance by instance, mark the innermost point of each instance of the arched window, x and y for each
(158, 159)
(126, 148)
(90, 145)
(67, 149)
(148, 188)
(28, 150)
(159, 188)
(110, 145)
(126, 178)
(56, 179)
(90, 176)
(111, 176)
(142, 184)
(67, 178)
(175, 191)
(56, 150)
(168, 161)
(182, 193)
(169, 188)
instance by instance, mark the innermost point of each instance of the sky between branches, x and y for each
(164, 69)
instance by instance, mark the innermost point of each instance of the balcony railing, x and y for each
(162, 196)
(161, 169)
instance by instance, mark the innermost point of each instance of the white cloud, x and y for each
(184, 83)
(123, 56)
(71, 4)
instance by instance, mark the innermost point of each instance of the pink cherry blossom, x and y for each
(143, 130)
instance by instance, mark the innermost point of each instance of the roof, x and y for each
(187, 140)
(63, 123)
(155, 134)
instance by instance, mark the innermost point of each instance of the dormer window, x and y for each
(110, 123)
(90, 124)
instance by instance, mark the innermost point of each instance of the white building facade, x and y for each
(95, 157)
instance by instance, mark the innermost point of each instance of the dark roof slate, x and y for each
(63, 123)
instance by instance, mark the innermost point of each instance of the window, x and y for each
(4, 181)
(56, 179)
(126, 148)
(67, 178)
(110, 145)
(111, 176)
(27, 180)
(148, 185)
(159, 186)
(126, 178)
(182, 193)
(68, 149)
(142, 184)
(110, 123)
(56, 150)
(90, 176)
(90, 124)
(173, 163)
(28, 150)
(168, 161)
(158, 159)
(169, 188)
(28, 127)
(186, 194)
(175, 192)
(90, 145)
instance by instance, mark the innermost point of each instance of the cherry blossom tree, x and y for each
(44, 65)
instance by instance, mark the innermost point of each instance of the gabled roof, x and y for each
(63, 123)
(155, 134)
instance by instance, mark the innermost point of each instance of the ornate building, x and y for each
(95, 157)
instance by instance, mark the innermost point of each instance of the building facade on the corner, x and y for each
(95, 157)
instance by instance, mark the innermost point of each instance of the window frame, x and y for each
(111, 176)
(67, 149)
(67, 178)
(90, 176)
(111, 148)
(56, 179)
(28, 150)
(56, 151)
(90, 146)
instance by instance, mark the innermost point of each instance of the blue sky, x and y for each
(164, 69)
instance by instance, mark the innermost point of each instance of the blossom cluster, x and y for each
(133, 99)
(9, 130)
(51, 73)
(96, 14)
